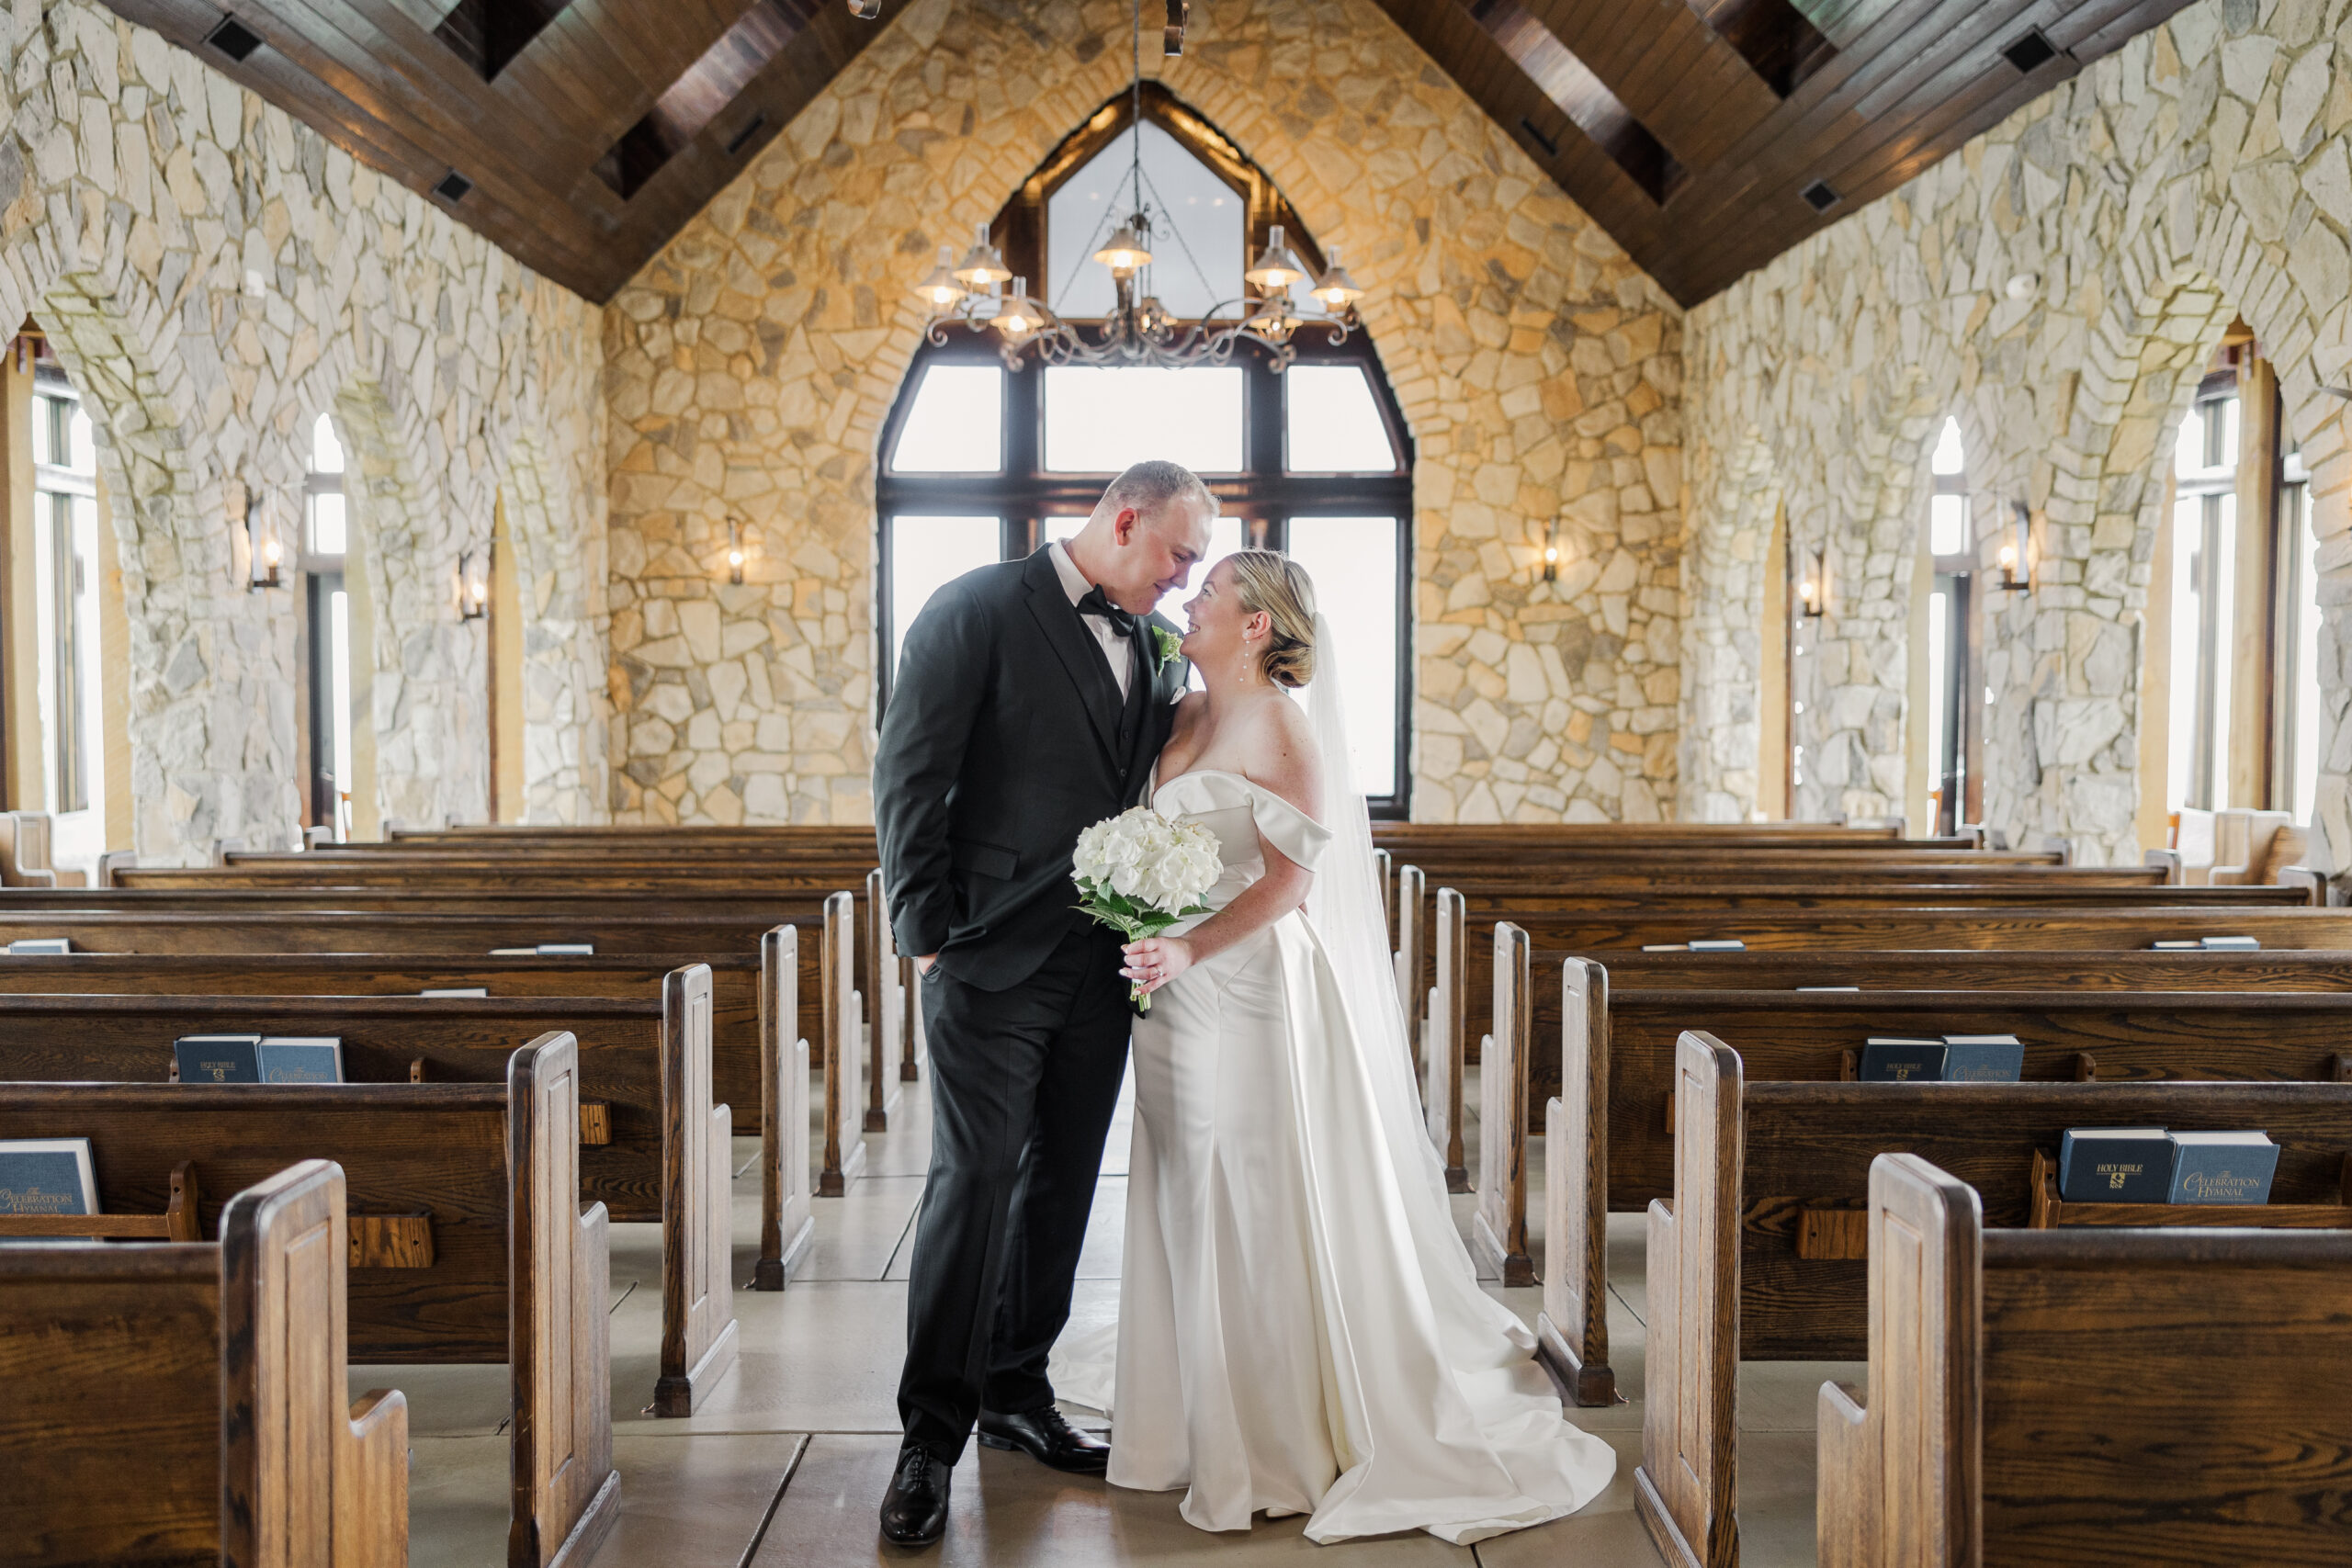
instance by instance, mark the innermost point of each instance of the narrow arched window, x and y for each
(1955, 724)
(326, 612)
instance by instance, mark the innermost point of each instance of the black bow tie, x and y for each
(1097, 603)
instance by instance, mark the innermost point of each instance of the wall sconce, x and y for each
(1552, 551)
(2017, 558)
(263, 554)
(735, 552)
(473, 588)
(1813, 589)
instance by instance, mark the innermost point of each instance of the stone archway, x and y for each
(2062, 757)
(210, 717)
(566, 740)
(1725, 570)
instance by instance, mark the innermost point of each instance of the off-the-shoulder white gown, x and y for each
(1299, 1332)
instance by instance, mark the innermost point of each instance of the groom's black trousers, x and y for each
(1023, 1083)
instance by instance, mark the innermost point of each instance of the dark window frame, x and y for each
(1265, 495)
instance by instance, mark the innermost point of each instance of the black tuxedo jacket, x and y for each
(1005, 736)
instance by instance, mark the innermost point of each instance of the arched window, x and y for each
(326, 642)
(980, 464)
(1955, 724)
(65, 614)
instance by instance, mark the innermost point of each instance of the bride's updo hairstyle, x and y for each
(1280, 587)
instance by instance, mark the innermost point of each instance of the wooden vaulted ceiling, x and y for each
(581, 134)
(1707, 136)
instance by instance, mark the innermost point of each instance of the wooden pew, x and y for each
(847, 1051)
(190, 1402)
(1444, 1060)
(667, 874)
(1608, 1091)
(2292, 969)
(1921, 929)
(468, 1241)
(409, 927)
(2086, 1397)
(785, 1175)
(654, 1146)
(1762, 1253)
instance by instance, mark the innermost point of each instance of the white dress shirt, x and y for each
(1116, 646)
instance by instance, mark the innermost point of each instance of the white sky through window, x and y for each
(1099, 419)
(956, 426)
(1196, 239)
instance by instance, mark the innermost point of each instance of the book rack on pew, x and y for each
(2050, 1211)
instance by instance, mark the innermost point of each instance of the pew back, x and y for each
(188, 1402)
(2033, 1395)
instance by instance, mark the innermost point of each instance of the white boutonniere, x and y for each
(1166, 648)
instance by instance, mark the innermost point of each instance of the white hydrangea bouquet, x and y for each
(1139, 872)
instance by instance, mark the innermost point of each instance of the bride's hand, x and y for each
(1156, 960)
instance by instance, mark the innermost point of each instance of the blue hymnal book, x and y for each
(1886, 1060)
(2230, 944)
(218, 1058)
(1718, 944)
(1983, 1058)
(47, 1175)
(39, 946)
(301, 1058)
(2115, 1164)
(2222, 1168)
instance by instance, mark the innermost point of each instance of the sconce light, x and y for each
(2017, 560)
(735, 551)
(263, 554)
(473, 588)
(1552, 551)
(1813, 590)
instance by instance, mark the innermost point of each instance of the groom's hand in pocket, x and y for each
(923, 963)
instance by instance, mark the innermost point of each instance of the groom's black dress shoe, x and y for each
(914, 1511)
(1045, 1436)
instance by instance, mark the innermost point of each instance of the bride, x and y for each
(1300, 1328)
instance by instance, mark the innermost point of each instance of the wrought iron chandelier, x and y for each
(983, 294)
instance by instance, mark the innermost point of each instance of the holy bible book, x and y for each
(2115, 1164)
(218, 1058)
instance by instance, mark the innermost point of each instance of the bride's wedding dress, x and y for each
(1300, 1327)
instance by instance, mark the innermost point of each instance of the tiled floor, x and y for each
(785, 1465)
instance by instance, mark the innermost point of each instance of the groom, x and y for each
(1029, 700)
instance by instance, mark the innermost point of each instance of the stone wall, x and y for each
(2056, 285)
(752, 363)
(213, 274)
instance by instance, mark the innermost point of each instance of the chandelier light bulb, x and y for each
(1018, 315)
(1335, 288)
(1276, 266)
(940, 290)
(983, 265)
(1125, 252)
